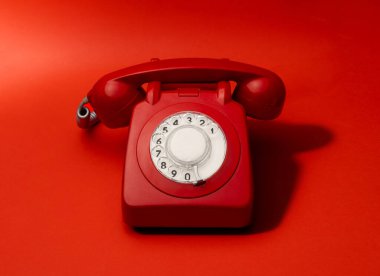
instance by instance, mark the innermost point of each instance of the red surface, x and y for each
(316, 168)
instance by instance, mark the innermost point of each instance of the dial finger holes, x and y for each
(188, 175)
(189, 118)
(212, 129)
(158, 152)
(175, 121)
(188, 147)
(164, 128)
(202, 121)
(174, 172)
(158, 139)
(163, 163)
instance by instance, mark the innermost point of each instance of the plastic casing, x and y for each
(225, 204)
(178, 85)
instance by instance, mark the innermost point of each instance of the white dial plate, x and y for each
(188, 147)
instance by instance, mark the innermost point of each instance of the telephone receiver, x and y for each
(112, 99)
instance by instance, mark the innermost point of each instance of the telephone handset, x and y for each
(187, 161)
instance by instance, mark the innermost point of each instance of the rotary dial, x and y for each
(188, 147)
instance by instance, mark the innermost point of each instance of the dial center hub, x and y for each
(188, 145)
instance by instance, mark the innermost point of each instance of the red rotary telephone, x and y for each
(187, 161)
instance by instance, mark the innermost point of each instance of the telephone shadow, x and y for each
(275, 172)
(273, 147)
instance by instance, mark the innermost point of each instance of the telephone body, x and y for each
(188, 160)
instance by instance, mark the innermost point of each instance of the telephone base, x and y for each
(211, 216)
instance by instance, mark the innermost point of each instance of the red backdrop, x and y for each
(316, 168)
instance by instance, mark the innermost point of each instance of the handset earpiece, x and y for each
(261, 97)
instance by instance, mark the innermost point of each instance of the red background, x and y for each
(316, 168)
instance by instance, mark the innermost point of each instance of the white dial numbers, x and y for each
(188, 147)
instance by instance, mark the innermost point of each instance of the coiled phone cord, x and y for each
(85, 117)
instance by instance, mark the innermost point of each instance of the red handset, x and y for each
(187, 161)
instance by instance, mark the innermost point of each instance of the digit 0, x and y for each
(187, 176)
